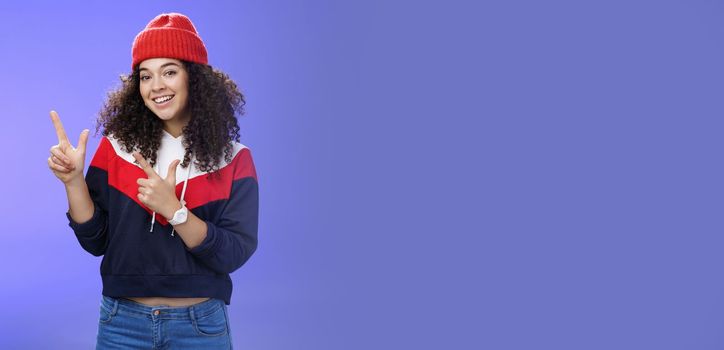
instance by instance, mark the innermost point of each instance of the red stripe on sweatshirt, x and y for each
(200, 190)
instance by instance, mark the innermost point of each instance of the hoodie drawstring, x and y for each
(153, 216)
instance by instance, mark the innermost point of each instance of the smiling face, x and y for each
(164, 87)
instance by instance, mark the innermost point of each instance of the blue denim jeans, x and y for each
(126, 324)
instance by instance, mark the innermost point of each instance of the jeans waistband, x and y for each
(113, 305)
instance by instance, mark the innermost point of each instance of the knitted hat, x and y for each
(170, 35)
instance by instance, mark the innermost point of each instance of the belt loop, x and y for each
(115, 307)
(191, 313)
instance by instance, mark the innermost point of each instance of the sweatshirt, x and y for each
(142, 257)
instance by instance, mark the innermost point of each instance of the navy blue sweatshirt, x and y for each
(141, 255)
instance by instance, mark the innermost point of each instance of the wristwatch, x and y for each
(180, 216)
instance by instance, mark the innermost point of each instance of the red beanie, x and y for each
(170, 35)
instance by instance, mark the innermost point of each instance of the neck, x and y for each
(176, 126)
(174, 130)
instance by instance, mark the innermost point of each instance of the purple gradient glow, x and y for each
(433, 175)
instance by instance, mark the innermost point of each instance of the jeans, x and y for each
(126, 324)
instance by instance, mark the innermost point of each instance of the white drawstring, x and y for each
(153, 216)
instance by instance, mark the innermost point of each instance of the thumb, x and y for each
(83, 140)
(171, 175)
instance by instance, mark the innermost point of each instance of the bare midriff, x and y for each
(175, 302)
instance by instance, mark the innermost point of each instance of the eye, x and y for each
(145, 77)
(170, 72)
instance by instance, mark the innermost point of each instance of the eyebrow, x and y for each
(162, 66)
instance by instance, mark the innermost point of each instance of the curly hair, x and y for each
(213, 101)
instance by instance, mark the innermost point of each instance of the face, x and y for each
(164, 87)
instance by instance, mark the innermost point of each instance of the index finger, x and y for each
(62, 137)
(144, 165)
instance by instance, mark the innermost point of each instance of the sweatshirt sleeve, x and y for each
(92, 234)
(231, 240)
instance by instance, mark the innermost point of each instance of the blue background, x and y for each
(433, 175)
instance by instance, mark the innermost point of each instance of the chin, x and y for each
(163, 116)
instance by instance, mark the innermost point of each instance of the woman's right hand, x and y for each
(66, 161)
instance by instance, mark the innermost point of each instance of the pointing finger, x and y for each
(59, 130)
(144, 165)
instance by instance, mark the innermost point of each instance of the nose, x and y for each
(157, 84)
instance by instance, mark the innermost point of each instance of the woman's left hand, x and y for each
(155, 192)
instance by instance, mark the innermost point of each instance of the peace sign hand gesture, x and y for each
(155, 192)
(65, 161)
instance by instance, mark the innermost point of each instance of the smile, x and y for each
(162, 99)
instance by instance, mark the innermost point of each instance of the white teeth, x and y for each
(162, 99)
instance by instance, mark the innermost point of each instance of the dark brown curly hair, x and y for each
(214, 100)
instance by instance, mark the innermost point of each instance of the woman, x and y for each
(170, 198)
